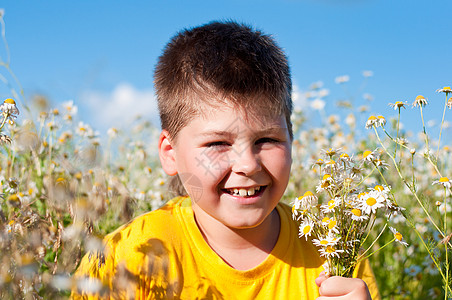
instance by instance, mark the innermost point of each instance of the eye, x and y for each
(267, 140)
(217, 144)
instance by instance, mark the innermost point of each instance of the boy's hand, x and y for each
(337, 287)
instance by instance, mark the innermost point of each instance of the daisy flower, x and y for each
(84, 130)
(318, 162)
(328, 240)
(9, 107)
(371, 121)
(331, 151)
(356, 214)
(381, 121)
(342, 79)
(71, 109)
(420, 101)
(381, 163)
(330, 206)
(384, 190)
(318, 104)
(369, 156)
(332, 225)
(398, 105)
(325, 221)
(344, 157)
(303, 203)
(444, 181)
(112, 132)
(326, 182)
(444, 207)
(445, 89)
(305, 229)
(368, 73)
(398, 236)
(371, 201)
(330, 251)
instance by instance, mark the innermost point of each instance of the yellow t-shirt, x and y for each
(162, 255)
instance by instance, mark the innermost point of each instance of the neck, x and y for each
(241, 248)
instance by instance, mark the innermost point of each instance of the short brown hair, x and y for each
(218, 63)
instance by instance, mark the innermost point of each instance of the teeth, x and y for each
(244, 192)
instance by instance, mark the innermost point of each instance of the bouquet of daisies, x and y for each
(340, 226)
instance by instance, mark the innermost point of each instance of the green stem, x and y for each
(423, 127)
(397, 135)
(373, 243)
(445, 244)
(411, 189)
(361, 257)
(441, 129)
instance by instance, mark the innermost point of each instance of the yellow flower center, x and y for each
(344, 155)
(331, 204)
(356, 212)
(372, 118)
(371, 201)
(60, 181)
(420, 97)
(447, 88)
(10, 101)
(306, 229)
(332, 224)
(379, 188)
(444, 179)
(308, 194)
(398, 236)
(326, 176)
(367, 153)
(13, 197)
(329, 249)
(323, 242)
(325, 220)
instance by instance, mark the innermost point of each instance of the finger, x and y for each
(322, 277)
(339, 286)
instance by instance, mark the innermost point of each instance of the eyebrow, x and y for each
(229, 134)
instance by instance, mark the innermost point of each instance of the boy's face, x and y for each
(234, 167)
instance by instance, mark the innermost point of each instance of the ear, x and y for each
(167, 154)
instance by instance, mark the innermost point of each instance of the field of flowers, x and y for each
(63, 188)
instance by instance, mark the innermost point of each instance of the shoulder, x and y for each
(161, 224)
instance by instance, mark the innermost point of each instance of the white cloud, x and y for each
(120, 107)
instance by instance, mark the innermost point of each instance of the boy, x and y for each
(224, 95)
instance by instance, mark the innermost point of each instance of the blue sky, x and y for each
(101, 54)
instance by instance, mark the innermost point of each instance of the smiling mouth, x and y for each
(245, 192)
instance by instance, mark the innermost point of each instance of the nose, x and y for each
(246, 161)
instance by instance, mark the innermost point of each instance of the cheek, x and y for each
(209, 166)
(279, 162)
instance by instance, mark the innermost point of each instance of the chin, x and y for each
(245, 224)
